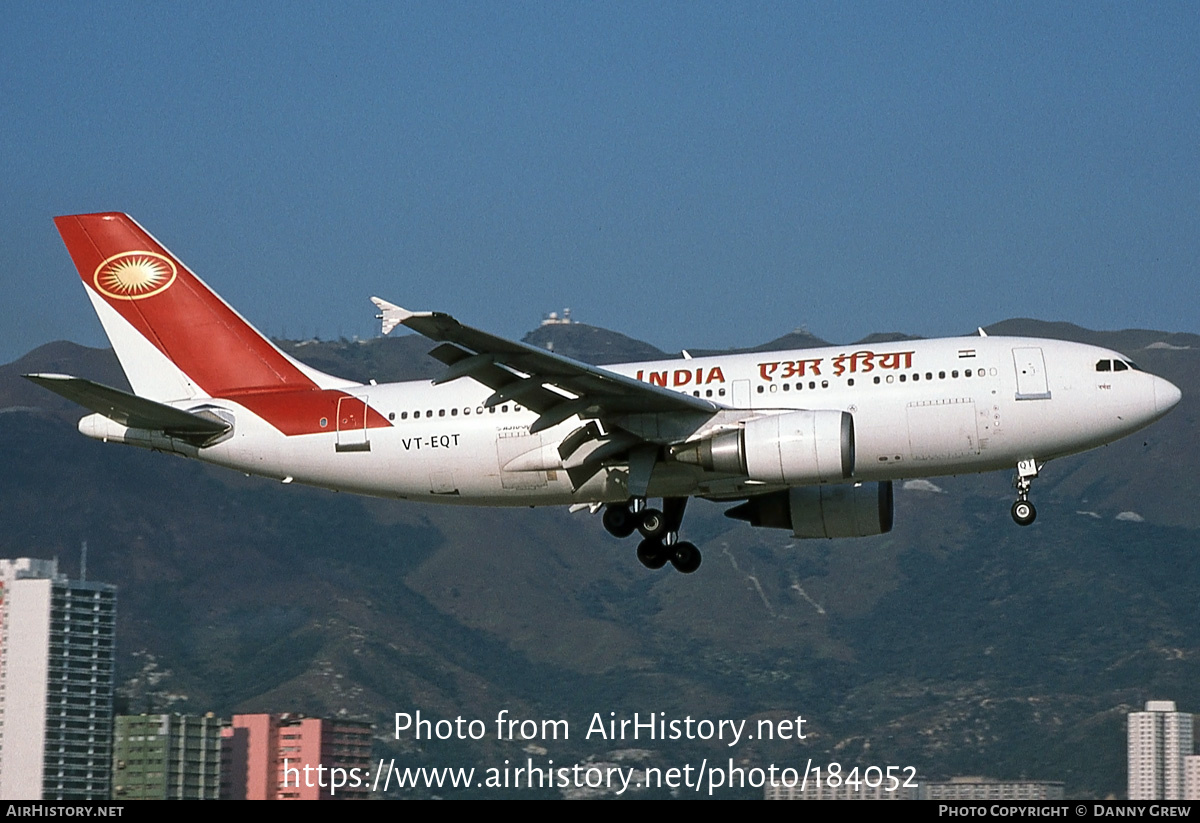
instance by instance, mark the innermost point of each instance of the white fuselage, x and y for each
(920, 408)
(509, 424)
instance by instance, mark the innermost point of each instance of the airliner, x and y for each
(808, 440)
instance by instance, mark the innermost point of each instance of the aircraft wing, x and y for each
(129, 409)
(556, 387)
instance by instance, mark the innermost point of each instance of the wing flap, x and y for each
(547, 380)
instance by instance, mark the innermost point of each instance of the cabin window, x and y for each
(721, 392)
(760, 389)
(877, 381)
(403, 415)
(928, 375)
(941, 375)
(824, 384)
(954, 374)
(441, 412)
(850, 382)
(903, 378)
(916, 377)
(967, 373)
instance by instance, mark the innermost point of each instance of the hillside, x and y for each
(958, 643)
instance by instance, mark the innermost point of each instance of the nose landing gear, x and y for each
(1023, 511)
(660, 530)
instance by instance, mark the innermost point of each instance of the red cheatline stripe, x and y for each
(301, 412)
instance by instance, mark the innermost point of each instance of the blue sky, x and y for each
(691, 174)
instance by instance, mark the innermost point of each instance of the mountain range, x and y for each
(958, 643)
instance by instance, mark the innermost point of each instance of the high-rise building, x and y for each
(956, 788)
(855, 789)
(987, 788)
(56, 683)
(167, 757)
(1191, 777)
(1160, 739)
(289, 757)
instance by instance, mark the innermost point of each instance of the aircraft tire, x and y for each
(685, 557)
(618, 520)
(653, 554)
(1023, 512)
(652, 524)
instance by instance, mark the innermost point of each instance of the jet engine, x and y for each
(822, 511)
(797, 447)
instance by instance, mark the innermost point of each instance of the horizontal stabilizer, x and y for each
(129, 409)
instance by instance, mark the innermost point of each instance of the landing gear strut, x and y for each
(1023, 511)
(652, 524)
(659, 530)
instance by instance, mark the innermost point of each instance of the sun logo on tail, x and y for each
(132, 275)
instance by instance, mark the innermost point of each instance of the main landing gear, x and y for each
(1023, 511)
(659, 529)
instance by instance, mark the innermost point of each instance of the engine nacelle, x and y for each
(822, 511)
(797, 447)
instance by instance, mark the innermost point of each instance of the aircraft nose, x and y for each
(1166, 395)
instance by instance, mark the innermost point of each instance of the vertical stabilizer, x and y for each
(175, 337)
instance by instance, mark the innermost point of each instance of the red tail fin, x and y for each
(153, 295)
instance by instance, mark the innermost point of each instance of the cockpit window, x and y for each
(1104, 365)
(1133, 365)
(1119, 365)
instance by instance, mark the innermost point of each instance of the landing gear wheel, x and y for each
(652, 524)
(1023, 512)
(685, 557)
(619, 520)
(653, 554)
